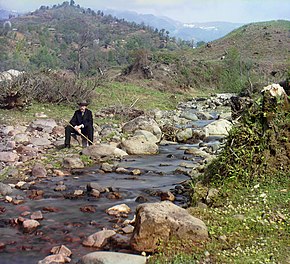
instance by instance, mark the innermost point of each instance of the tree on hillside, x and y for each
(85, 40)
(141, 63)
(232, 77)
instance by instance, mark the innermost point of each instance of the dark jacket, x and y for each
(86, 119)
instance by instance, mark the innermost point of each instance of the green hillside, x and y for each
(70, 37)
(264, 45)
(89, 43)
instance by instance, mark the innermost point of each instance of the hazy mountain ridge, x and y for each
(197, 31)
(5, 14)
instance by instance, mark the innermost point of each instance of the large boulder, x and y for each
(105, 257)
(143, 123)
(219, 127)
(45, 125)
(184, 135)
(139, 145)
(103, 150)
(148, 135)
(162, 221)
(73, 163)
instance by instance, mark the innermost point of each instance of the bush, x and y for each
(233, 78)
(46, 87)
(257, 148)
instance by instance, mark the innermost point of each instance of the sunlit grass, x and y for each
(251, 226)
(112, 94)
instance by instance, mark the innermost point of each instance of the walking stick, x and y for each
(82, 134)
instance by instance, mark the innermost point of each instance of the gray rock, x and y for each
(95, 186)
(40, 141)
(184, 135)
(106, 167)
(22, 137)
(98, 239)
(73, 163)
(101, 257)
(6, 129)
(161, 221)
(139, 145)
(143, 123)
(8, 156)
(55, 259)
(45, 125)
(219, 127)
(103, 150)
(5, 189)
(39, 170)
(189, 115)
(148, 135)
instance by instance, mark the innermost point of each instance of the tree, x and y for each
(232, 77)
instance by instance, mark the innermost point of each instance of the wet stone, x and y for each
(114, 195)
(5, 189)
(95, 193)
(95, 186)
(88, 209)
(36, 194)
(60, 188)
(50, 209)
(36, 215)
(141, 199)
(61, 250)
(30, 225)
(167, 196)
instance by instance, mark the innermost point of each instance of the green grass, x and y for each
(18, 117)
(261, 237)
(111, 94)
(123, 94)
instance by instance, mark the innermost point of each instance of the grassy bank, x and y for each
(247, 225)
(111, 94)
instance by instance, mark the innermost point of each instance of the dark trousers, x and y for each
(87, 131)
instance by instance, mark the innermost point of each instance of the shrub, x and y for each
(257, 148)
(46, 87)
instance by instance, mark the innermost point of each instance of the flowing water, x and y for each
(64, 223)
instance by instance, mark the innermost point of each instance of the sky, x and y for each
(186, 11)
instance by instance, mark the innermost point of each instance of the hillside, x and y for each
(265, 45)
(89, 43)
(247, 58)
(71, 37)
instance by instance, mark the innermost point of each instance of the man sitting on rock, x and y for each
(80, 124)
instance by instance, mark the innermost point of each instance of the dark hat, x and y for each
(83, 103)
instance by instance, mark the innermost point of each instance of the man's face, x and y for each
(83, 108)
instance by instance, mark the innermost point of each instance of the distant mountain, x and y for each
(207, 31)
(5, 14)
(147, 19)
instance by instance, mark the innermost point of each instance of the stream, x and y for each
(69, 219)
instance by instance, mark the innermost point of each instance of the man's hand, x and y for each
(78, 128)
